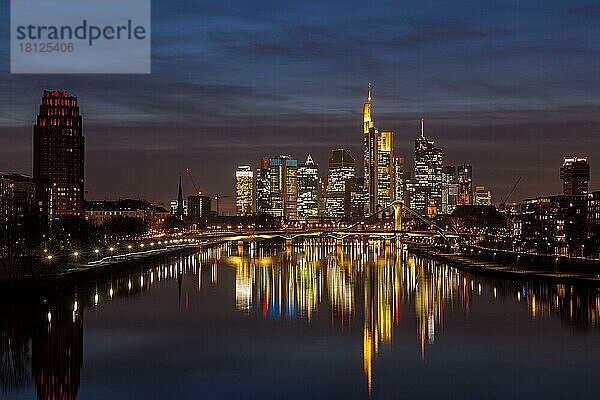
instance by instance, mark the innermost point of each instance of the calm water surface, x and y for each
(314, 321)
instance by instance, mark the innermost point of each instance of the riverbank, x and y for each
(84, 272)
(583, 274)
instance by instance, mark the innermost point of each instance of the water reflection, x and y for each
(373, 287)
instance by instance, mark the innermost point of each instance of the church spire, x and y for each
(180, 200)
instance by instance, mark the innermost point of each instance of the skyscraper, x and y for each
(427, 184)
(341, 168)
(198, 207)
(354, 200)
(482, 197)
(308, 189)
(263, 187)
(449, 188)
(244, 190)
(277, 186)
(58, 150)
(575, 174)
(465, 185)
(378, 157)
(399, 180)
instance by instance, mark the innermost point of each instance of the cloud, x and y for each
(502, 84)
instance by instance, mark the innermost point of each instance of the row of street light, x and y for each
(129, 248)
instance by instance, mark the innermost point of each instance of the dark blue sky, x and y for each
(509, 86)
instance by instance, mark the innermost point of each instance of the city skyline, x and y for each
(527, 85)
(299, 199)
(229, 205)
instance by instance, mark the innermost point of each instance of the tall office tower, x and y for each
(198, 207)
(482, 197)
(427, 183)
(308, 189)
(280, 177)
(399, 180)
(449, 188)
(575, 174)
(465, 185)
(244, 190)
(322, 196)
(354, 200)
(58, 150)
(385, 170)
(378, 157)
(341, 168)
(263, 187)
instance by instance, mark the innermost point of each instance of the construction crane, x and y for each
(504, 201)
(189, 173)
(217, 198)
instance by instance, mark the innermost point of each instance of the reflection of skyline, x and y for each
(57, 353)
(386, 281)
(365, 288)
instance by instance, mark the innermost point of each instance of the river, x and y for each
(317, 320)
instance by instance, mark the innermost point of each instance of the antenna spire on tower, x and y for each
(369, 96)
(422, 126)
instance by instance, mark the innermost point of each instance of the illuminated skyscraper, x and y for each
(308, 189)
(399, 180)
(426, 187)
(58, 150)
(465, 185)
(341, 168)
(575, 174)
(277, 186)
(378, 156)
(263, 187)
(482, 197)
(198, 207)
(244, 189)
(449, 189)
(355, 198)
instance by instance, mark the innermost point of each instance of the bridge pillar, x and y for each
(397, 217)
(288, 245)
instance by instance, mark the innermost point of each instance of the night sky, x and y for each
(508, 86)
